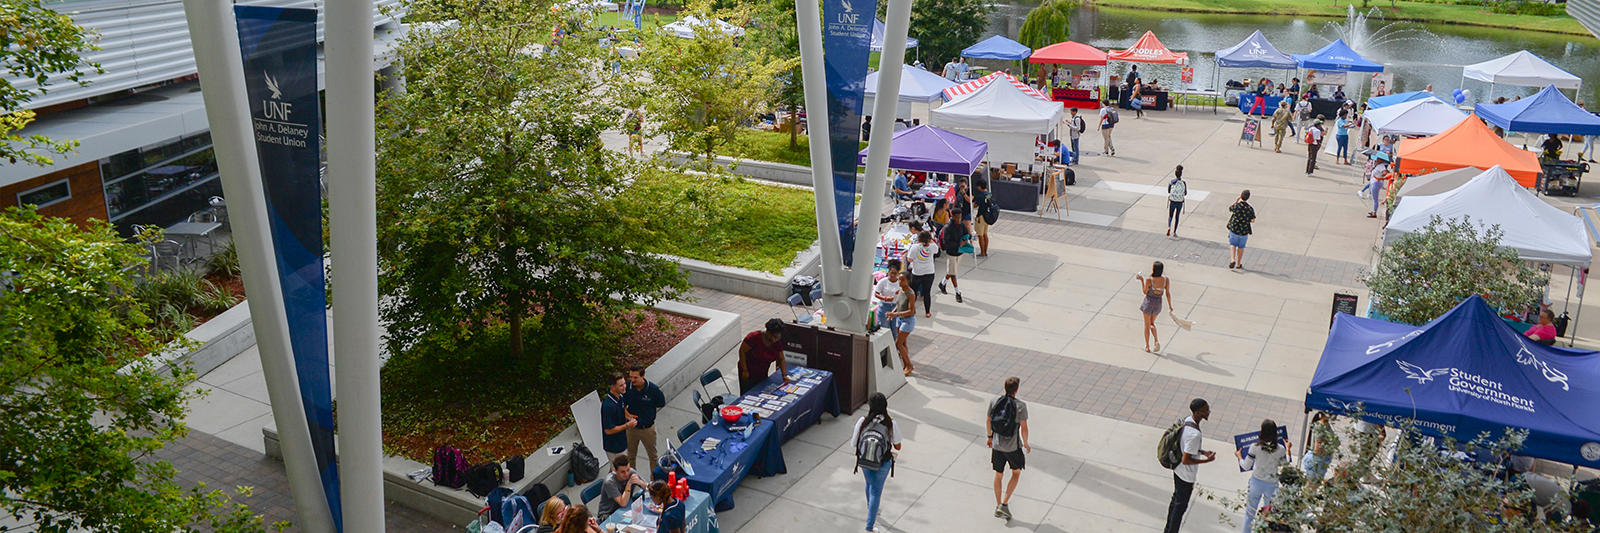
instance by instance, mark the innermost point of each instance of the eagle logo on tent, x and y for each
(1420, 374)
(1552, 375)
(1344, 407)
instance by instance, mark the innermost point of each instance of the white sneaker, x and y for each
(1362, 194)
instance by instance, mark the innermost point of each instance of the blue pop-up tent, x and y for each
(998, 47)
(1547, 111)
(1464, 373)
(1400, 98)
(1337, 56)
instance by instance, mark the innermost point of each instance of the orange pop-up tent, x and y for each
(1468, 144)
(1150, 50)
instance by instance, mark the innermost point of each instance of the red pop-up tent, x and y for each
(1068, 53)
(1150, 50)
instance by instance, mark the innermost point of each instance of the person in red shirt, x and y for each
(757, 353)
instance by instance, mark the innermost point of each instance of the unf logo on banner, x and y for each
(846, 43)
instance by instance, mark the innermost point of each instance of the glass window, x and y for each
(160, 184)
(46, 195)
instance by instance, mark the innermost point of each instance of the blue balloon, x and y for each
(1460, 99)
(1457, 92)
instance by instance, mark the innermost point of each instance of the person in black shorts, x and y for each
(1007, 425)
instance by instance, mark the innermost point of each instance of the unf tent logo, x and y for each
(1526, 357)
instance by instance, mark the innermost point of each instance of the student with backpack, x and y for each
(1075, 128)
(955, 241)
(875, 438)
(1108, 120)
(1264, 459)
(1007, 425)
(1180, 451)
(1177, 191)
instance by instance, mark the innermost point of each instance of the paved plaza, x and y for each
(1055, 303)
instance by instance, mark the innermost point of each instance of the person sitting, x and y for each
(1312, 94)
(673, 512)
(618, 488)
(1545, 332)
(902, 186)
(1338, 94)
(577, 520)
(550, 519)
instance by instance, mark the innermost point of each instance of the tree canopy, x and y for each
(83, 410)
(1048, 24)
(1427, 272)
(946, 27)
(497, 199)
(43, 46)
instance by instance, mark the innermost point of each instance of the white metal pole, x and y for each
(897, 19)
(353, 232)
(215, 39)
(808, 15)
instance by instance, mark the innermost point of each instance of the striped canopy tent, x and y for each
(970, 87)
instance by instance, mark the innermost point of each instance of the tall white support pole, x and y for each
(353, 221)
(215, 38)
(808, 21)
(898, 19)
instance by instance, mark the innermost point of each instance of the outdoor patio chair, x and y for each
(166, 252)
(687, 431)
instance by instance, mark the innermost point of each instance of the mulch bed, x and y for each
(498, 435)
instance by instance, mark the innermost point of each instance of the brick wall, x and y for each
(88, 196)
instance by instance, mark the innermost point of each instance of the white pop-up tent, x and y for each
(920, 91)
(685, 27)
(1522, 68)
(1538, 231)
(1428, 116)
(1438, 182)
(1002, 115)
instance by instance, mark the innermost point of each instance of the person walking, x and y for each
(866, 128)
(1007, 425)
(1153, 288)
(986, 210)
(758, 352)
(1075, 129)
(634, 123)
(1313, 145)
(1108, 120)
(1341, 135)
(920, 254)
(1185, 474)
(954, 242)
(903, 316)
(1302, 114)
(1376, 182)
(1240, 218)
(874, 435)
(1177, 190)
(1263, 459)
(643, 399)
(1280, 124)
(1136, 98)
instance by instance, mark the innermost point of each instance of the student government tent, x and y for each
(1463, 373)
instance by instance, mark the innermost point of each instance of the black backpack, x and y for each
(989, 210)
(516, 467)
(449, 467)
(537, 493)
(585, 467)
(1003, 417)
(872, 447)
(483, 479)
(1169, 450)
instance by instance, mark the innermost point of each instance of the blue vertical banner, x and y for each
(846, 42)
(280, 71)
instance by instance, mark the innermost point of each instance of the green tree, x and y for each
(1048, 24)
(703, 90)
(774, 30)
(1427, 272)
(497, 199)
(83, 411)
(1420, 490)
(42, 46)
(945, 27)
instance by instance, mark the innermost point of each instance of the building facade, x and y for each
(1587, 12)
(144, 154)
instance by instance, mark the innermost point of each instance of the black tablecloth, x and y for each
(1016, 195)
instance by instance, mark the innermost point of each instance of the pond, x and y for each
(1417, 58)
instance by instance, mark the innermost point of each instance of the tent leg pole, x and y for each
(1571, 277)
(1305, 441)
(1572, 336)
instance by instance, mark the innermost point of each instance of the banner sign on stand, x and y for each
(279, 47)
(1251, 132)
(846, 41)
(1342, 303)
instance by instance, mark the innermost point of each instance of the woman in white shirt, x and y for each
(922, 269)
(1265, 458)
(885, 290)
(877, 413)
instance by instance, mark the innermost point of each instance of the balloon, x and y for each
(1456, 92)
(1460, 98)
(1467, 93)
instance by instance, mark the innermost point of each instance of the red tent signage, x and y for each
(1150, 50)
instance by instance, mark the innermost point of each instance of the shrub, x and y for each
(1427, 272)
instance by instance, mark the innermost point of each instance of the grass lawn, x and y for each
(1416, 11)
(733, 221)
(772, 146)
(649, 20)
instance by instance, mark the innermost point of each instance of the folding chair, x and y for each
(716, 375)
(687, 431)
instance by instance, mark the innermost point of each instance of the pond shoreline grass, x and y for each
(1467, 15)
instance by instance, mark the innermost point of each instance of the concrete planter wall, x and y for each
(221, 339)
(676, 371)
(752, 283)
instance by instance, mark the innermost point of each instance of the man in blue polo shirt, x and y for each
(642, 399)
(615, 419)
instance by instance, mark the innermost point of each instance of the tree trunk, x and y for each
(794, 126)
(516, 312)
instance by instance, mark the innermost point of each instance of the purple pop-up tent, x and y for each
(930, 149)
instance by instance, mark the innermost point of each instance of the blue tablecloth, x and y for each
(718, 472)
(1247, 101)
(699, 517)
